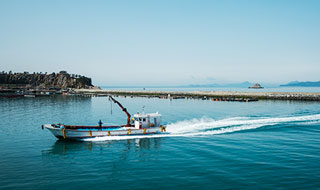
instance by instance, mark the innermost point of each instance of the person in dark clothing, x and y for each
(100, 124)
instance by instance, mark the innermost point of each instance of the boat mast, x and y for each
(123, 109)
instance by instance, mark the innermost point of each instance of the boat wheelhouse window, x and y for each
(144, 119)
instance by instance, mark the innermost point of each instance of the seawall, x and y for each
(299, 96)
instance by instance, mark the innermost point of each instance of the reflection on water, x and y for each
(147, 143)
(64, 147)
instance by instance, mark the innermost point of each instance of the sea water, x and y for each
(223, 89)
(208, 145)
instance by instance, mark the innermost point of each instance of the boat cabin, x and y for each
(142, 120)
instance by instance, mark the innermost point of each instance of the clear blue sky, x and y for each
(163, 42)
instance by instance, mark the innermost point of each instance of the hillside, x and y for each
(303, 84)
(44, 80)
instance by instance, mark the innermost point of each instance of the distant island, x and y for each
(41, 80)
(256, 86)
(303, 84)
(237, 85)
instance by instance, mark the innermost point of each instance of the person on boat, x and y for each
(100, 124)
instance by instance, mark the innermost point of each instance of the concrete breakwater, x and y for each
(215, 95)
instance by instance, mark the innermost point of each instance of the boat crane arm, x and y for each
(123, 109)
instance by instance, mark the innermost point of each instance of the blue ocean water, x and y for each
(231, 89)
(209, 145)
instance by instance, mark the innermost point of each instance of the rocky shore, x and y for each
(60, 80)
(216, 95)
(41, 84)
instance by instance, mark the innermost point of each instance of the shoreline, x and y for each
(251, 96)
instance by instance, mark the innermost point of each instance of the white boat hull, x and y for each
(87, 133)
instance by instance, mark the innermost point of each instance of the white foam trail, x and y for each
(207, 123)
(208, 126)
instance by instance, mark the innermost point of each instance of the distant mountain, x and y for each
(234, 85)
(304, 84)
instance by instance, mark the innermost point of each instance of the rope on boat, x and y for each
(110, 105)
(163, 129)
(144, 131)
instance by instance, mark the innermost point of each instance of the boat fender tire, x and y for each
(64, 133)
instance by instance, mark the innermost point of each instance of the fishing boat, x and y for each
(139, 124)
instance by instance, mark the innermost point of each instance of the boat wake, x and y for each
(207, 126)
